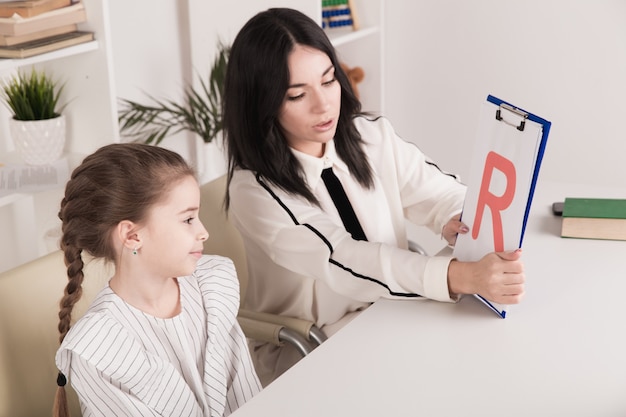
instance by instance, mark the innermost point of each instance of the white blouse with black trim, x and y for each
(301, 260)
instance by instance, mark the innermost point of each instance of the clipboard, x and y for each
(509, 149)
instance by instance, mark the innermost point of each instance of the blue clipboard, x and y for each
(521, 117)
(542, 146)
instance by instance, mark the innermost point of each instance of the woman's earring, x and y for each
(135, 251)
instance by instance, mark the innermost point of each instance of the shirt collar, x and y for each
(313, 165)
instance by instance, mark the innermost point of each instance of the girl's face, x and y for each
(310, 110)
(173, 236)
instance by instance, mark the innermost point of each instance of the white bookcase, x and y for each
(87, 74)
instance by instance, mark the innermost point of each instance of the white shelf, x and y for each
(11, 64)
(64, 168)
(12, 198)
(344, 37)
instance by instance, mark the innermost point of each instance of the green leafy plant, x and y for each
(33, 96)
(200, 112)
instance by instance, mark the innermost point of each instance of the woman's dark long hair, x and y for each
(256, 84)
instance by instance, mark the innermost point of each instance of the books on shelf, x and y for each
(30, 8)
(49, 44)
(594, 218)
(16, 40)
(18, 26)
(339, 14)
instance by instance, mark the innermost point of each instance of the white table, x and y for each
(561, 352)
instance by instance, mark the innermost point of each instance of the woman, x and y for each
(289, 114)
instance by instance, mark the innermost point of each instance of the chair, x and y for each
(224, 239)
(29, 307)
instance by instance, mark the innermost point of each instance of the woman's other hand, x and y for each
(453, 228)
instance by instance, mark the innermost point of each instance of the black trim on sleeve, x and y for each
(328, 244)
(382, 284)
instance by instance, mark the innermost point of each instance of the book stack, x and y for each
(594, 218)
(33, 27)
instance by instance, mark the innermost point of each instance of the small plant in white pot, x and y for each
(37, 126)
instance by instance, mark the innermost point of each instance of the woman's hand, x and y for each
(452, 229)
(498, 276)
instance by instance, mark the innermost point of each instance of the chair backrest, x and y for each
(29, 339)
(224, 239)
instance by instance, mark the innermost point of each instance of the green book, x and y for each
(597, 208)
(594, 218)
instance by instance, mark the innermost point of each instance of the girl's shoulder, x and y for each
(215, 267)
(97, 330)
(216, 278)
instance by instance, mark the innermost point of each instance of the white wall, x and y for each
(151, 55)
(564, 60)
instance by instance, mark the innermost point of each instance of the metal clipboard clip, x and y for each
(516, 112)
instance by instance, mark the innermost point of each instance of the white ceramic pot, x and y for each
(39, 142)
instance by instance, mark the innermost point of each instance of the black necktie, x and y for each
(346, 212)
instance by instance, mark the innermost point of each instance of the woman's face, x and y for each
(310, 110)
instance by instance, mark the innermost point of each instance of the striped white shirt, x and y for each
(124, 362)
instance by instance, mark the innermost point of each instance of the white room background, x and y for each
(564, 60)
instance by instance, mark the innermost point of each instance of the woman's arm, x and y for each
(287, 231)
(427, 195)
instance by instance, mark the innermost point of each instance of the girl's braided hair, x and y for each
(118, 182)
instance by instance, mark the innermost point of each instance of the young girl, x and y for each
(289, 115)
(162, 337)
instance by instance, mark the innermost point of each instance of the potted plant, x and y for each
(200, 112)
(37, 126)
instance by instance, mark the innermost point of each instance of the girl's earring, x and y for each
(135, 251)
